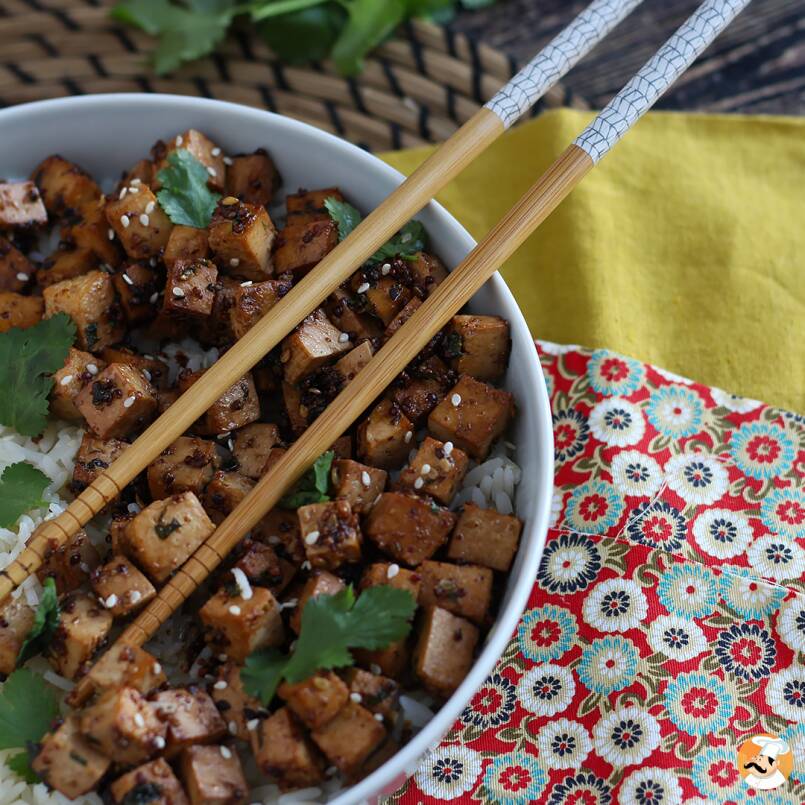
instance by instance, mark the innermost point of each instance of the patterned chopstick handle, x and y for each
(558, 57)
(657, 75)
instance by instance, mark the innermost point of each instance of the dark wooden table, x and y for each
(757, 65)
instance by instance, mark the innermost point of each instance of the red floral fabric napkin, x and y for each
(667, 621)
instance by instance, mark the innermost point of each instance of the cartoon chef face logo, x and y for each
(765, 761)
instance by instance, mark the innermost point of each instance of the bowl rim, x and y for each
(534, 533)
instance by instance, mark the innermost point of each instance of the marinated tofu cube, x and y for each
(190, 288)
(284, 753)
(480, 346)
(121, 587)
(185, 243)
(224, 492)
(252, 445)
(308, 205)
(69, 563)
(83, 627)
(375, 692)
(296, 411)
(348, 739)
(20, 311)
(444, 652)
(358, 484)
(313, 344)
(16, 622)
(408, 528)
(351, 364)
(384, 439)
(383, 573)
(342, 447)
(264, 568)
(320, 583)
(385, 295)
(280, 529)
(237, 626)
(154, 780)
(79, 368)
(138, 288)
(127, 667)
(164, 535)
(116, 539)
(472, 415)
(252, 302)
(155, 371)
(91, 234)
(21, 205)
(213, 776)
(218, 328)
(316, 700)
(485, 537)
(141, 172)
(166, 398)
(93, 457)
(117, 402)
(68, 763)
(253, 178)
(191, 717)
(402, 317)
(201, 147)
(427, 270)
(437, 470)
(66, 189)
(302, 246)
(16, 270)
(241, 237)
(237, 708)
(344, 311)
(188, 465)
(141, 225)
(89, 300)
(331, 534)
(235, 408)
(123, 726)
(64, 264)
(420, 390)
(393, 661)
(464, 590)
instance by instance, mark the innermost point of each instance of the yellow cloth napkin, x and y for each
(684, 248)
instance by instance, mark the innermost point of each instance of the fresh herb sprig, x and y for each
(313, 486)
(46, 621)
(184, 195)
(21, 488)
(331, 626)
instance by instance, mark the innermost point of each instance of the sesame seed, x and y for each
(227, 160)
(385, 269)
(139, 720)
(92, 368)
(153, 298)
(356, 697)
(311, 538)
(425, 469)
(178, 293)
(136, 181)
(226, 753)
(147, 375)
(145, 220)
(448, 448)
(134, 190)
(159, 742)
(306, 565)
(408, 436)
(233, 728)
(110, 233)
(366, 479)
(234, 610)
(456, 400)
(149, 208)
(178, 140)
(375, 669)
(216, 152)
(343, 338)
(124, 219)
(129, 401)
(363, 287)
(222, 684)
(133, 508)
(111, 601)
(211, 171)
(66, 380)
(234, 262)
(247, 284)
(392, 571)
(123, 193)
(378, 716)
(22, 277)
(253, 724)
(152, 261)
(127, 279)
(419, 483)
(135, 596)
(157, 669)
(223, 657)
(85, 568)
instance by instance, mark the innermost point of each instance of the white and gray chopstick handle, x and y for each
(558, 57)
(657, 75)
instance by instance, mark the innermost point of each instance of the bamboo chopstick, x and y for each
(516, 97)
(637, 97)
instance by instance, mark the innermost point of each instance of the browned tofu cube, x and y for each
(402, 317)
(141, 225)
(427, 271)
(154, 780)
(253, 178)
(116, 539)
(141, 172)
(284, 753)
(393, 661)
(345, 313)
(480, 346)
(302, 246)
(445, 651)
(69, 563)
(190, 288)
(472, 415)
(185, 243)
(89, 300)
(437, 470)
(20, 311)
(308, 205)
(213, 776)
(117, 402)
(349, 738)
(129, 667)
(408, 528)
(186, 466)
(191, 717)
(253, 301)
(224, 492)
(331, 534)
(235, 408)
(138, 288)
(422, 388)
(385, 296)
(91, 233)
(21, 205)
(68, 763)
(383, 573)
(155, 371)
(16, 270)
(264, 568)
(64, 264)
(320, 583)
(94, 456)
(316, 700)
(201, 147)
(121, 587)
(485, 537)
(314, 343)
(237, 626)
(218, 328)
(464, 590)
(83, 627)
(384, 439)
(163, 536)
(241, 712)
(79, 368)
(65, 188)
(358, 484)
(342, 446)
(351, 364)
(241, 237)
(252, 445)
(375, 692)
(123, 726)
(280, 529)
(296, 411)
(16, 622)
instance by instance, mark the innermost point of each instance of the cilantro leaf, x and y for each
(312, 487)
(368, 24)
(184, 194)
(27, 708)
(20, 764)
(27, 359)
(46, 621)
(345, 215)
(21, 488)
(412, 238)
(305, 35)
(372, 632)
(262, 673)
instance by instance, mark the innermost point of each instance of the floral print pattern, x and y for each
(667, 621)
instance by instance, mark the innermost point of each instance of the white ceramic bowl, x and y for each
(107, 133)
